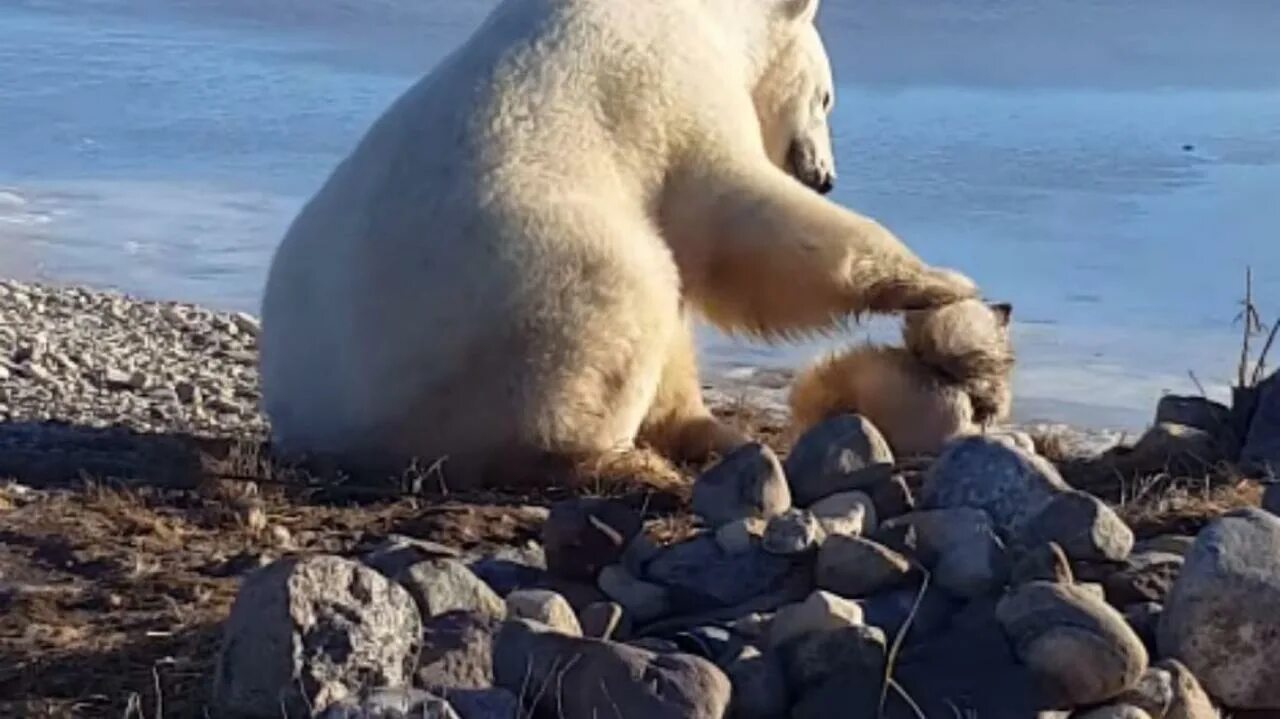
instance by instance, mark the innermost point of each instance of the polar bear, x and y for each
(506, 267)
(953, 376)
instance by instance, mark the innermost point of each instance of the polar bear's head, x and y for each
(795, 95)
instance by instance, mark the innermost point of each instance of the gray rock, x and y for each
(740, 536)
(398, 552)
(601, 620)
(1042, 563)
(493, 703)
(795, 531)
(1012, 486)
(446, 585)
(1168, 690)
(584, 535)
(961, 548)
(1178, 544)
(820, 612)
(1271, 498)
(639, 552)
(585, 679)
(545, 607)
(748, 482)
(392, 704)
(857, 567)
(643, 601)
(1113, 711)
(1080, 523)
(891, 498)
(759, 686)
(1220, 619)
(702, 575)
(1146, 577)
(1077, 644)
(711, 642)
(1194, 411)
(1261, 450)
(812, 659)
(1144, 618)
(457, 653)
(305, 633)
(842, 453)
(1173, 448)
(891, 610)
(849, 513)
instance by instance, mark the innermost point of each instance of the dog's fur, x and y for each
(952, 377)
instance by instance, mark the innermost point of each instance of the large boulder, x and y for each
(1220, 617)
(1077, 644)
(1262, 445)
(306, 633)
(573, 678)
(1011, 485)
(701, 575)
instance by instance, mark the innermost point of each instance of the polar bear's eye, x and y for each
(826, 100)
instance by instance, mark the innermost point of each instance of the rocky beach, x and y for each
(154, 562)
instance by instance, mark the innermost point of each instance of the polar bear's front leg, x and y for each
(763, 254)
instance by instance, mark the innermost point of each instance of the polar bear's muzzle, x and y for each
(806, 165)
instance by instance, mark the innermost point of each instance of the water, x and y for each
(1109, 166)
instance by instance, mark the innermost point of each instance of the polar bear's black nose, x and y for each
(826, 184)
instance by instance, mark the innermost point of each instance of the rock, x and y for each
(890, 611)
(795, 531)
(583, 535)
(1271, 498)
(1012, 486)
(891, 498)
(490, 703)
(1178, 544)
(1197, 412)
(961, 548)
(398, 552)
(759, 686)
(1078, 645)
(643, 601)
(545, 607)
(392, 704)
(701, 575)
(842, 453)
(304, 633)
(639, 552)
(966, 672)
(1219, 617)
(446, 585)
(716, 644)
(857, 567)
(587, 679)
(1261, 450)
(851, 514)
(504, 575)
(820, 612)
(741, 536)
(1144, 618)
(1146, 577)
(1168, 690)
(1042, 563)
(113, 378)
(457, 652)
(1172, 448)
(748, 482)
(1113, 711)
(601, 620)
(811, 659)
(1080, 523)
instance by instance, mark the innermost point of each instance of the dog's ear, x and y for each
(1004, 311)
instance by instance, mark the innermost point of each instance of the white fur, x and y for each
(507, 259)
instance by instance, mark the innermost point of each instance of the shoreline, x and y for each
(104, 358)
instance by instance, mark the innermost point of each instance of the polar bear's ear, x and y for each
(1003, 311)
(799, 10)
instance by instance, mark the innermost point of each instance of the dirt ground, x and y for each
(120, 555)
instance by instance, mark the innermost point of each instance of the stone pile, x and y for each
(826, 585)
